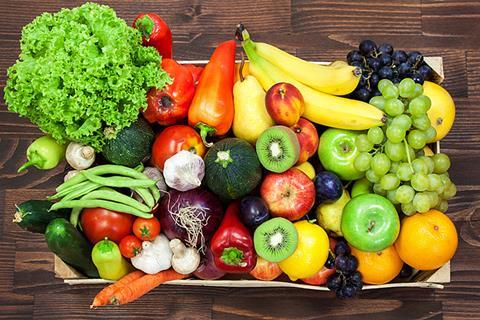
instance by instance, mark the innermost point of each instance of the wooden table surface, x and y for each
(322, 30)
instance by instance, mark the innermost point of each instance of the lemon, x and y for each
(307, 168)
(311, 253)
(442, 111)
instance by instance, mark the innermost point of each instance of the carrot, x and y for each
(143, 285)
(104, 296)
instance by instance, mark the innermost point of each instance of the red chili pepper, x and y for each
(155, 33)
(169, 105)
(212, 110)
(232, 245)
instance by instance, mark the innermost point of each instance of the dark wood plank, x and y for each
(473, 69)
(451, 17)
(372, 17)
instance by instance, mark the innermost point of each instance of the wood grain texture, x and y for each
(312, 29)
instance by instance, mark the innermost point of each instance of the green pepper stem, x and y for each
(205, 131)
(233, 257)
(34, 159)
(145, 25)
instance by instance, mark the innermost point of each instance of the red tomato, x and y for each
(130, 246)
(265, 270)
(99, 223)
(174, 139)
(146, 229)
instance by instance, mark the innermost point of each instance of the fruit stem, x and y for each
(408, 154)
(205, 130)
(242, 64)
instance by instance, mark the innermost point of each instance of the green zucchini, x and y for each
(71, 246)
(33, 215)
(232, 169)
(131, 146)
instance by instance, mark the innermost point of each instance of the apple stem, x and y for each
(371, 225)
(408, 155)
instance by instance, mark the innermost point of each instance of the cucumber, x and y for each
(71, 246)
(33, 215)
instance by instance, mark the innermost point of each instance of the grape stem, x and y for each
(408, 154)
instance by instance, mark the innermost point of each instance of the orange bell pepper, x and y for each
(211, 110)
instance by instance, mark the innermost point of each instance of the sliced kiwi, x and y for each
(275, 240)
(278, 148)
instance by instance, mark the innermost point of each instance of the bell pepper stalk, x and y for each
(155, 33)
(231, 245)
(170, 104)
(212, 109)
(44, 153)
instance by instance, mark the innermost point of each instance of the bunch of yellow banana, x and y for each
(320, 107)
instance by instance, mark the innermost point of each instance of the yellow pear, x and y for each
(251, 116)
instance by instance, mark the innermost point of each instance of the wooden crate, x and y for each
(419, 279)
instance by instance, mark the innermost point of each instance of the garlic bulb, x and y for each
(184, 171)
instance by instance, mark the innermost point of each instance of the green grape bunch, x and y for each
(392, 156)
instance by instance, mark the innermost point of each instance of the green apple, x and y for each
(329, 215)
(370, 222)
(361, 186)
(337, 152)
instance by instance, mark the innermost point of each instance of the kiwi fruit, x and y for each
(278, 148)
(276, 239)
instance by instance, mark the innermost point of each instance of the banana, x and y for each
(321, 108)
(338, 78)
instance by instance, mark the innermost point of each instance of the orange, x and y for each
(427, 240)
(378, 267)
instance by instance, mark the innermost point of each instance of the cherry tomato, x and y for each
(146, 229)
(130, 246)
(99, 223)
(174, 139)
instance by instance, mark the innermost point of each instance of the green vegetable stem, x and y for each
(44, 153)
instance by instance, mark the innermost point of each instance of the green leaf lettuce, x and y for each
(82, 72)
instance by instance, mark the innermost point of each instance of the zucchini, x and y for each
(131, 146)
(33, 215)
(71, 246)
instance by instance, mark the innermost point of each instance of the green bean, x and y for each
(77, 193)
(139, 168)
(118, 182)
(155, 192)
(147, 197)
(95, 203)
(112, 195)
(110, 169)
(74, 215)
(66, 191)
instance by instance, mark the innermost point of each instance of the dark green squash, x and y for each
(34, 215)
(131, 146)
(232, 169)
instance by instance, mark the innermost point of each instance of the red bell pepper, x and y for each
(155, 33)
(196, 72)
(212, 109)
(232, 245)
(170, 104)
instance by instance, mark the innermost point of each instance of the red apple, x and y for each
(290, 194)
(265, 270)
(307, 137)
(284, 103)
(320, 278)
